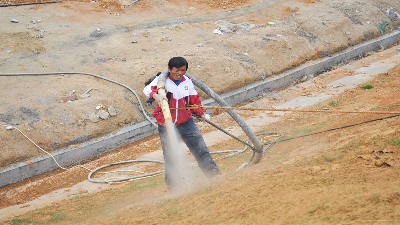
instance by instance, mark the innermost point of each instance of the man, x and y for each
(180, 93)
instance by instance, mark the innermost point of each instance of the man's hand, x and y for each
(204, 117)
(158, 99)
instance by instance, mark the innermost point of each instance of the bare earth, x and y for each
(345, 176)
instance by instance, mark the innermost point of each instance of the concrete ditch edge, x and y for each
(81, 152)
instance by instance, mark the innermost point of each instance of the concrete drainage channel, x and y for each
(126, 135)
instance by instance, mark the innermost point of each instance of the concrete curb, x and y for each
(312, 68)
(84, 151)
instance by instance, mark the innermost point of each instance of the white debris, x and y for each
(217, 31)
(228, 27)
(94, 118)
(112, 111)
(103, 114)
(100, 107)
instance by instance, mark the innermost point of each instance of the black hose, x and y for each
(229, 134)
(339, 128)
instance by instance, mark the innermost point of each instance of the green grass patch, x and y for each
(327, 158)
(57, 216)
(395, 142)
(382, 26)
(19, 221)
(144, 184)
(333, 103)
(48, 217)
(367, 87)
(303, 131)
(300, 131)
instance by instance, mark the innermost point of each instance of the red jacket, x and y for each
(178, 97)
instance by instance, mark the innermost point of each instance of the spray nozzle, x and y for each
(160, 86)
(161, 80)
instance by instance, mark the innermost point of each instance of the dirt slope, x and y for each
(228, 44)
(341, 176)
(344, 176)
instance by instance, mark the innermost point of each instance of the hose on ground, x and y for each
(119, 179)
(148, 174)
(290, 110)
(230, 153)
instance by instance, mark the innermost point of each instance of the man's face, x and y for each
(177, 73)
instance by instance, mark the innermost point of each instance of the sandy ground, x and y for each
(319, 175)
(228, 44)
(348, 176)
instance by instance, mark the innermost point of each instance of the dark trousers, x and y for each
(193, 139)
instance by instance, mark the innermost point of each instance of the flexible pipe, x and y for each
(294, 110)
(227, 133)
(145, 175)
(163, 94)
(257, 150)
(141, 176)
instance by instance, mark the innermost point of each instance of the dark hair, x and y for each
(177, 62)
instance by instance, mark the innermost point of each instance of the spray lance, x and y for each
(162, 93)
(176, 162)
